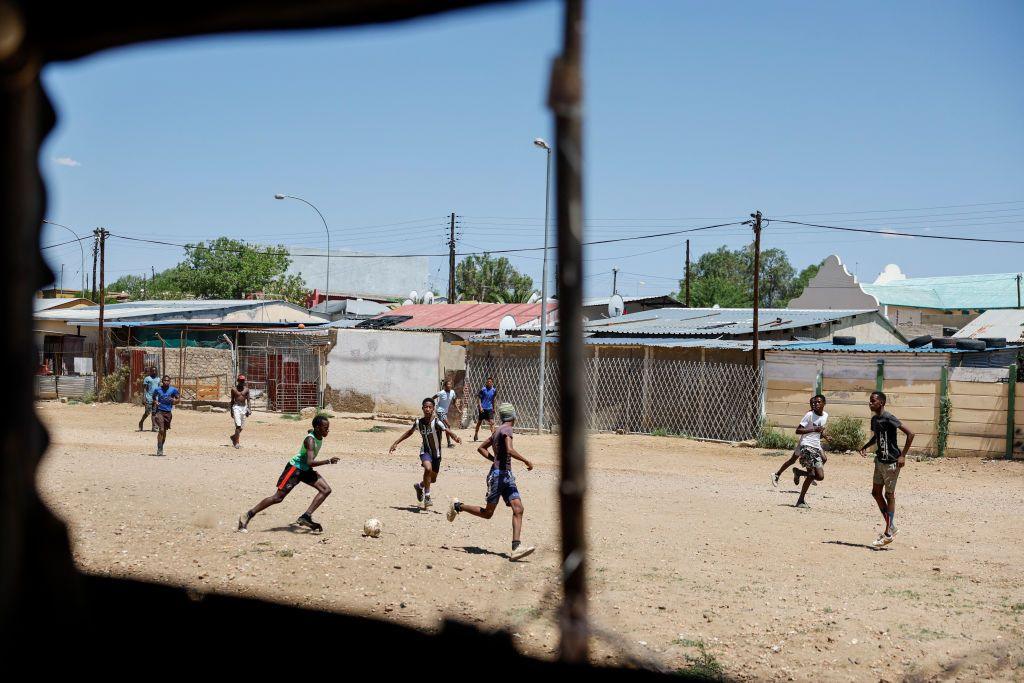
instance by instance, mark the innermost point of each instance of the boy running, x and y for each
(812, 455)
(240, 409)
(430, 428)
(486, 396)
(889, 460)
(443, 401)
(149, 383)
(300, 468)
(165, 397)
(500, 482)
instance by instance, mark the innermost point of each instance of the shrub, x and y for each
(844, 433)
(111, 385)
(770, 437)
(89, 397)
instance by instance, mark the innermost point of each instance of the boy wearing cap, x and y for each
(240, 409)
(500, 481)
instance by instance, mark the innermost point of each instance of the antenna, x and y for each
(507, 323)
(616, 306)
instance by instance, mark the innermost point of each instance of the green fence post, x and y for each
(1012, 384)
(944, 410)
(880, 375)
(819, 383)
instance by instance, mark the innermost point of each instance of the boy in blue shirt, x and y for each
(164, 399)
(149, 383)
(486, 396)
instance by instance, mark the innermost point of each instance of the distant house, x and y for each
(359, 275)
(1006, 324)
(923, 305)
(459, 320)
(596, 308)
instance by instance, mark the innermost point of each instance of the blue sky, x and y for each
(903, 116)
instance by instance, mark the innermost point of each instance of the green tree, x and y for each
(483, 278)
(220, 269)
(800, 283)
(725, 277)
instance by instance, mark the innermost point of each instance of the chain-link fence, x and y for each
(283, 379)
(704, 400)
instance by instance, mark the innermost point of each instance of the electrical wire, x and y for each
(895, 233)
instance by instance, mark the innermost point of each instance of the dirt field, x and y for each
(695, 560)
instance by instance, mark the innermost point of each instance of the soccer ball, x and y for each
(371, 528)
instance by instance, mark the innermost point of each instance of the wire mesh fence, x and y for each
(637, 395)
(283, 379)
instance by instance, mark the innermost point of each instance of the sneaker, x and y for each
(427, 501)
(237, 445)
(159, 450)
(452, 512)
(880, 541)
(419, 492)
(814, 482)
(796, 476)
(803, 506)
(243, 522)
(775, 480)
(521, 552)
(886, 539)
(307, 521)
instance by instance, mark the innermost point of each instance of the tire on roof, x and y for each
(943, 343)
(971, 344)
(918, 342)
(844, 341)
(993, 342)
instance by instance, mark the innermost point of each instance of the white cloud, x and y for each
(67, 161)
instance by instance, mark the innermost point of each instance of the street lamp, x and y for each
(544, 286)
(80, 249)
(327, 290)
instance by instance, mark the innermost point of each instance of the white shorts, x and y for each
(238, 413)
(442, 415)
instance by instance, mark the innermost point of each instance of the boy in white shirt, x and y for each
(443, 401)
(812, 455)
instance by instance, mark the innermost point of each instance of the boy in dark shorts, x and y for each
(486, 396)
(500, 482)
(149, 384)
(431, 428)
(889, 460)
(811, 454)
(165, 397)
(300, 469)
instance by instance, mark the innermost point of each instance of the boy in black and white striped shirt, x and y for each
(431, 429)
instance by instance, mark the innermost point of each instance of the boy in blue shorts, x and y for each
(165, 397)
(501, 484)
(300, 469)
(431, 428)
(486, 397)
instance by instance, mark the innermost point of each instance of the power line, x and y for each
(61, 244)
(894, 233)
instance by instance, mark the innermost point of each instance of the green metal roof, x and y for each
(965, 292)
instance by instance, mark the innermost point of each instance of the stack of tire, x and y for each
(957, 343)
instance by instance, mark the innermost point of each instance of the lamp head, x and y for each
(541, 143)
(278, 196)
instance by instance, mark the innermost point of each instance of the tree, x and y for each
(803, 279)
(221, 269)
(483, 278)
(725, 277)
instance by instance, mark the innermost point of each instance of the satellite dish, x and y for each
(428, 298)
(507, 323)
(616, 306)
(716, 306)
(414, 295)
(407, 302)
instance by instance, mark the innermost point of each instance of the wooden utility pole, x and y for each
(615, 281)
(757, 283)
(95, 255)
(451, 261)
(565, 98)
(101, 235)
(686, 273)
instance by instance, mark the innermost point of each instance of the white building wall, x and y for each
(383, 370)
(833, 288)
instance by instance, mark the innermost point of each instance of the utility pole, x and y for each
(101, 235)
(95, 254)
(757, 282)
(451, 260)
(61, 281)
(686, 273)
(615, 281)
(1018, 289)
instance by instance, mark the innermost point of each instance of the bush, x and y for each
(844, 433)
(111, 385)
(770, 437)
(88, 398)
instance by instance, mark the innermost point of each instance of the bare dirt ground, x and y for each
(695, 559)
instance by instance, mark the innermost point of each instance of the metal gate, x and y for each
(283, 379)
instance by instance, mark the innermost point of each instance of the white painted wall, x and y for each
(396, 369)
(834, 288)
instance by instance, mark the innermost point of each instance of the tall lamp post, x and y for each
(544, 287)
(327, 290)
(80, 248)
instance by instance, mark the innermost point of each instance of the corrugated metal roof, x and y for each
(872, 348)
(953, 292)
(40, 305)
(465, 317)
(189, 311)
(714, 322)
(1008, 324)
(634, 341)
(604, 300)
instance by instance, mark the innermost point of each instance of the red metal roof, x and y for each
(466, 316)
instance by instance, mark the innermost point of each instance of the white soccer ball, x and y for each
(371, 528)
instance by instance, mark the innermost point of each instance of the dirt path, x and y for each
(695, 560)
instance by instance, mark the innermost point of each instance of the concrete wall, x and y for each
(834, 288)
(383, 370)
(383, 276)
